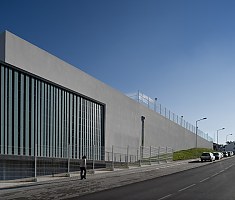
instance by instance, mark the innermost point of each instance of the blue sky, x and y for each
(180, 51)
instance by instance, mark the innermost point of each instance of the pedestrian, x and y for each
(83, 167)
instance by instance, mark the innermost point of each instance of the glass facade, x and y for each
(43, 119)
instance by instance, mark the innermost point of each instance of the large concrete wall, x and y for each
(123, 115)
(2, 46)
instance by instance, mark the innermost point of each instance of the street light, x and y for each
(181, 120)
(155, 104)
(142, 139)
(227, 136)
(196, 128)
(218, 132)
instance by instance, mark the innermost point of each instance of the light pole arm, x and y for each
(196, 128)
(218, 134)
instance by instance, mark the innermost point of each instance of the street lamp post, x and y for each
(227, 136)
(155, 104)
(181, 120)
(196, 128)
(142, 138)
(217, 134)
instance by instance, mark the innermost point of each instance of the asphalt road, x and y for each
(215, 181)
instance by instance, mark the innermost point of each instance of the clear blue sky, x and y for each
(180, 51)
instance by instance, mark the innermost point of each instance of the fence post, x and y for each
(137, 160)
(158, 155)
(138, 96)
(93, 161)
(35, 163)
(112, 159)
(68, 174)
(150, 155)
(166, 154)
(127, 155)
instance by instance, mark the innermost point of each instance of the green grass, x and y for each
(189, 154)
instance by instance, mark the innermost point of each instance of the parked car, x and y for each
(222, 155)
(230, 153)
(225, 153)
(207, 156)
(218, 155)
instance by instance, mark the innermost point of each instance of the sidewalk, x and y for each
(49, 187)
(101, 173)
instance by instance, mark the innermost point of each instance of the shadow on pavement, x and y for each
(195, 161)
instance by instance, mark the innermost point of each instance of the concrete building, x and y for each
(49, 106)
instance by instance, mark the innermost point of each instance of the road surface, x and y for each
(215, 181)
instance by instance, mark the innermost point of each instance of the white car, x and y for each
(218, 155)
(207, 156)
(225, 153)
(230, 153)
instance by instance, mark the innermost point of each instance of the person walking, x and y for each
(83, 168)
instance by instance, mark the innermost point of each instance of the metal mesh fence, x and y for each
(22, 165)
(32, 166)
(155, 106)
(132, 156)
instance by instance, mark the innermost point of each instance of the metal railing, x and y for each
(155, 106)
(132, 156)
(15, 166)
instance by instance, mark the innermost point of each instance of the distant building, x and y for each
(230, 146)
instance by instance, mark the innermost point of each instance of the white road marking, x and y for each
(187, 187)
(165, 197)
(214, 174)
(194, 183)
(204, 179)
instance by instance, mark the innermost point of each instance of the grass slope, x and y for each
(189, 153)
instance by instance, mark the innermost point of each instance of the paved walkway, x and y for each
(49, 187)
